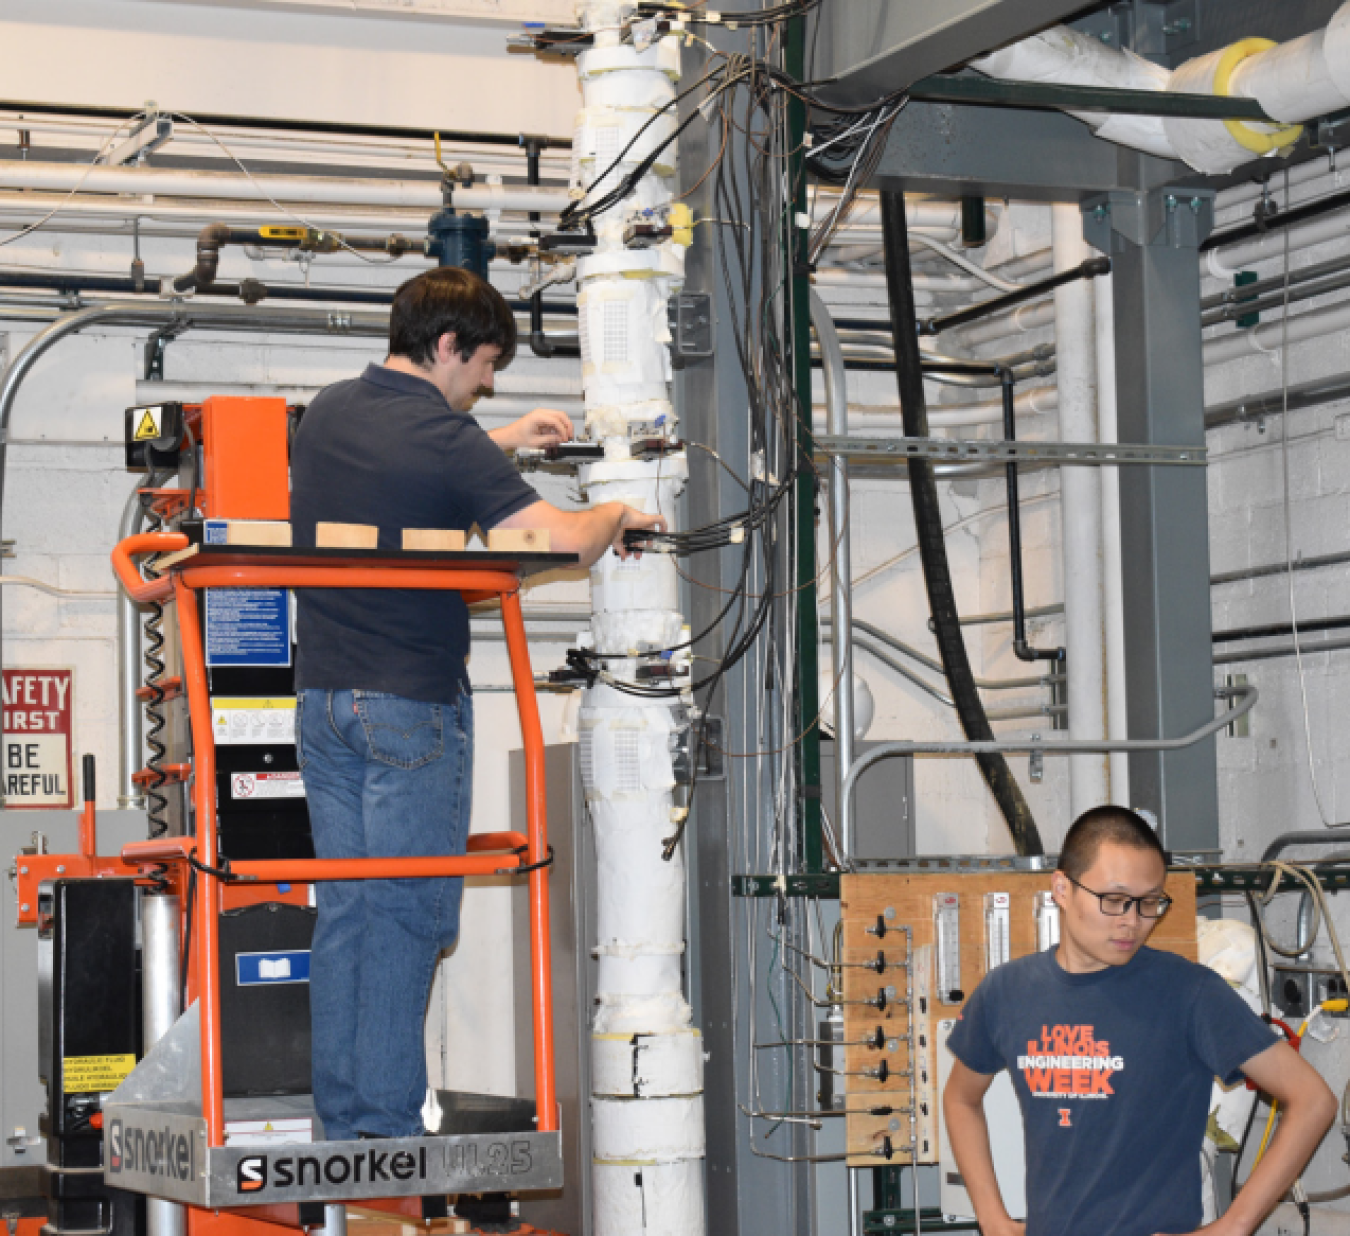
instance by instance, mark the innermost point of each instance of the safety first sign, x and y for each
(38, 761)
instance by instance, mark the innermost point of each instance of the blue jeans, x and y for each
(384, 776)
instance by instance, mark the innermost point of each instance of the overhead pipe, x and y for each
(870, 419)
(279, 124)
(1021, 646)
(1089, 268)
(1269, 337)
(215, 236)
(235, 186)
(932, 544)
(1081, 512)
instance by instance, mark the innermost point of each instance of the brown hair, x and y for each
(450, 300)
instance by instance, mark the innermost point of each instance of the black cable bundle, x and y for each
(928, 523)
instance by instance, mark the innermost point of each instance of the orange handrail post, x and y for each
(536, 807)
(208, 893)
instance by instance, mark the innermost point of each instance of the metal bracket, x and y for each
(156, 346)
(147, 137)
(1152, 28)
(948, 450)
(1176, 218)
(690, 316)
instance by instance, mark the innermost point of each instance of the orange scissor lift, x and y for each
(164, 1128)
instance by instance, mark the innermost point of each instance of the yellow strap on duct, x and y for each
(1255, 140)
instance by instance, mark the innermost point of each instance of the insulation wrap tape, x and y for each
(647, 1065)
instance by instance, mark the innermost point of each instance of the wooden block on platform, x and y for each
(271, 532)
(440, 540)
(346, 536)
(518, 540)
(165, 561)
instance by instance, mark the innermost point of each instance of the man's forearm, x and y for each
(595, 530)
(968, 1130)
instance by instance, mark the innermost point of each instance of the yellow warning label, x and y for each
(149, 426)
(95, 1074)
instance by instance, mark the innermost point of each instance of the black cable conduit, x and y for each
(932, 545)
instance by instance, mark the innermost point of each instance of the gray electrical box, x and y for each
(884, 802)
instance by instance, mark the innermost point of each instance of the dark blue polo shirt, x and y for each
(387, 449)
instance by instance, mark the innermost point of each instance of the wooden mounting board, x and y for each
(864, 898)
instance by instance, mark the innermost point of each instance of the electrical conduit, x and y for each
(1081, 509)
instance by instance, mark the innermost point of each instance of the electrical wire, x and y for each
(1287, 506)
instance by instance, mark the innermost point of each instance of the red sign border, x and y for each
(69, 804)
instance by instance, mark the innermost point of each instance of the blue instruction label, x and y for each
(271, 969)
(248, 626)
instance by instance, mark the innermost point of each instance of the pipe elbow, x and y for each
(209, 242)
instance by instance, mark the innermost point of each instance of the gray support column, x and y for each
(748, 1193)
(1164, 513)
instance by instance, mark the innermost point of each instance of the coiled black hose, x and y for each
(156, 801)
(932, 544)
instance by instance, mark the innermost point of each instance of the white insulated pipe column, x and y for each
(1081, 513)
(647, 1057)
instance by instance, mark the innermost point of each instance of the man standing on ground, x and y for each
(384, 719)
(1114, 1122)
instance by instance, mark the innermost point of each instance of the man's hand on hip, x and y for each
(542, 427)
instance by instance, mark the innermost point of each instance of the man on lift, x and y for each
(1134, 1039)
(384, 727)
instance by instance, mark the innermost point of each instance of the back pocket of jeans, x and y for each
(404, 733)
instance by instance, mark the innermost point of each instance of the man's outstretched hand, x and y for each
(540, 428)
(633, 518)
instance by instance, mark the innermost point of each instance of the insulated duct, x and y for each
(647, 1056)
(932, 545)
(1293, 82)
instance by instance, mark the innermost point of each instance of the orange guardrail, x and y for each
(496, 578)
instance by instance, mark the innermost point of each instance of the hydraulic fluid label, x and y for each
(246, 786)
(248, 626)
(271, 969)
(239, 721)
(95, 1074)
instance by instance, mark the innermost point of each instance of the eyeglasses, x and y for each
(1116, 905)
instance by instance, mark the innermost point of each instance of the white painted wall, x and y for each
(66, 486)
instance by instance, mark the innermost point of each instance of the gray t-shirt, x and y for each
(387, 449)
(1113, 1071)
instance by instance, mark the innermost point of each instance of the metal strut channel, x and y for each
(932, 545)
(948, 450)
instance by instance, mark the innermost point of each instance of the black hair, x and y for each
(1118, 825)
(450, 300)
